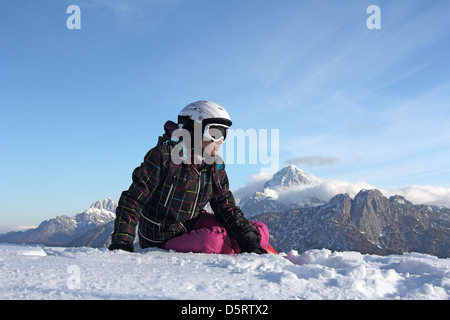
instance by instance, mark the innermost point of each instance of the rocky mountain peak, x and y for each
(106, 204)
(287, 177)
(365, 194)
(267, 200)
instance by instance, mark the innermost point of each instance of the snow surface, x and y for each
(38, 272)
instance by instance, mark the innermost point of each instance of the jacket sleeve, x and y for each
(231, 216)
(146, 179)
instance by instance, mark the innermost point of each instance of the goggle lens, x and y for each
(215, 132)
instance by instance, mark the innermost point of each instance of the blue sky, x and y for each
(80, 108)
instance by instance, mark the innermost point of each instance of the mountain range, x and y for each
(64, 230)
(368, 223)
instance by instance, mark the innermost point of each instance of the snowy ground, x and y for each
(35, 272)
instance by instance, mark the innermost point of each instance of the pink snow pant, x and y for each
(209, 236)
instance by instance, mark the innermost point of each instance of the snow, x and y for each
(38, 272)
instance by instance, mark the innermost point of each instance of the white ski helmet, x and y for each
(205, 112)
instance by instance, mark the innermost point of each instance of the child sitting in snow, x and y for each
(173, 185)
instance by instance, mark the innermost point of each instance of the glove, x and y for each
(250, 242)
(121, 246)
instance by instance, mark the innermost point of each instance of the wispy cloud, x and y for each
(313, 161)
(23, 228)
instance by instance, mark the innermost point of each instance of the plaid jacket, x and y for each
(158, 201)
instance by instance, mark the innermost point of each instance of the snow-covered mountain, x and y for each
(98, 237)
(267, 200)
(259, 202)
(62, 230)
(106, 205)
(288, 177)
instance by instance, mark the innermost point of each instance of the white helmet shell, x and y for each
(204, 112)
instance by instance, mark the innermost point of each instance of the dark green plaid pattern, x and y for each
(159, 200)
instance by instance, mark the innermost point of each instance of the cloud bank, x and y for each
(326, 189)
(255, 183)
(422, 194)
(23, 228)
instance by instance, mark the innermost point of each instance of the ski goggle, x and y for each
(215, 132)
